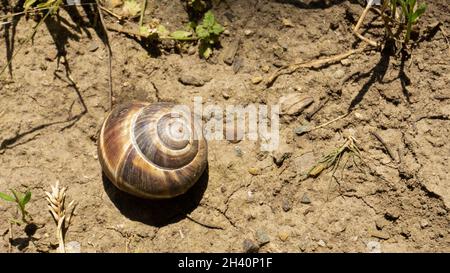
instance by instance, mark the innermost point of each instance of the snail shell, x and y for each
(152, 150)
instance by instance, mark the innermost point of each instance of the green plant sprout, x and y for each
(51, 5)
(21, 200)
(334, 158)
(207, 33)
(411, 11)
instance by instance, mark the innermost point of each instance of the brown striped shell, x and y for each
(152, 150)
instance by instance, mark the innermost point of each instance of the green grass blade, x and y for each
(6, 197)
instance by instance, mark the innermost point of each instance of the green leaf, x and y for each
(201, 32)
(208, 19)
(191, 25)
(145, 31)
(205, 50)
(26, 198)
(217, 29)
(6, 197)
(419, 12)
(28, 4)
(181, 35)
(162, 31)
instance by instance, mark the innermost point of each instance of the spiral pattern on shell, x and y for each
(152, 150)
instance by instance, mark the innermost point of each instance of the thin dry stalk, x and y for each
(313, 64)
(56, 204)
(358, 25)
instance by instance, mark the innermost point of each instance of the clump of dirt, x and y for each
(391, 202)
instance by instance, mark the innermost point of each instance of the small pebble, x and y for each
(254, 171)
(225, 95)
(265, 68)
(287, 23)
(381, 223)
(424, 223)
(191, 80)
(294, 103)
(346, 62)
(379, 234)
(257, 79)
(283, 152)
(250, 247)
(93, 46)
(238, 151)
(302, 129)
(248, 32)
(262, 237)
(286, 205)
(322, 243)
(374, 247)
(305, 199)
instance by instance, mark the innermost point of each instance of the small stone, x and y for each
(262, 237)
(346, 62)
(278, 51)
(93, 46)
(248, 32)
(73, 247)
(226, 32)
(283, 152)
(286, 205)
(225, 95)
(294, 103)
(379, 234)
(257, 79)
(305, 199)
(359, 116)
(421, 66)
(250, 247)
(322, 243)
(265, 68)
(287, 23)
(230, 52)
(238, 151)
(237, 64)
(283, 235)
(373, 247)
(391, 215)
(191, 80)
(424, 223)
(381, 223)
(254, 171)
(250, 197)
(192, 50)
(302, 129)
(303, 246)
(339, 74)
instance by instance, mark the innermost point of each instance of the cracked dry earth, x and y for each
(248, 199)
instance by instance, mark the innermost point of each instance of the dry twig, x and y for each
(313, 64)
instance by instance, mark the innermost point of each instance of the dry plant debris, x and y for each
(56, 204)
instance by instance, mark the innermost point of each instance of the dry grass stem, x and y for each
(56, 204)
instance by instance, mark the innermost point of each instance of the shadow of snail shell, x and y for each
(152, 151)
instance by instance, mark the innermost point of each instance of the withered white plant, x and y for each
(56, 204)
